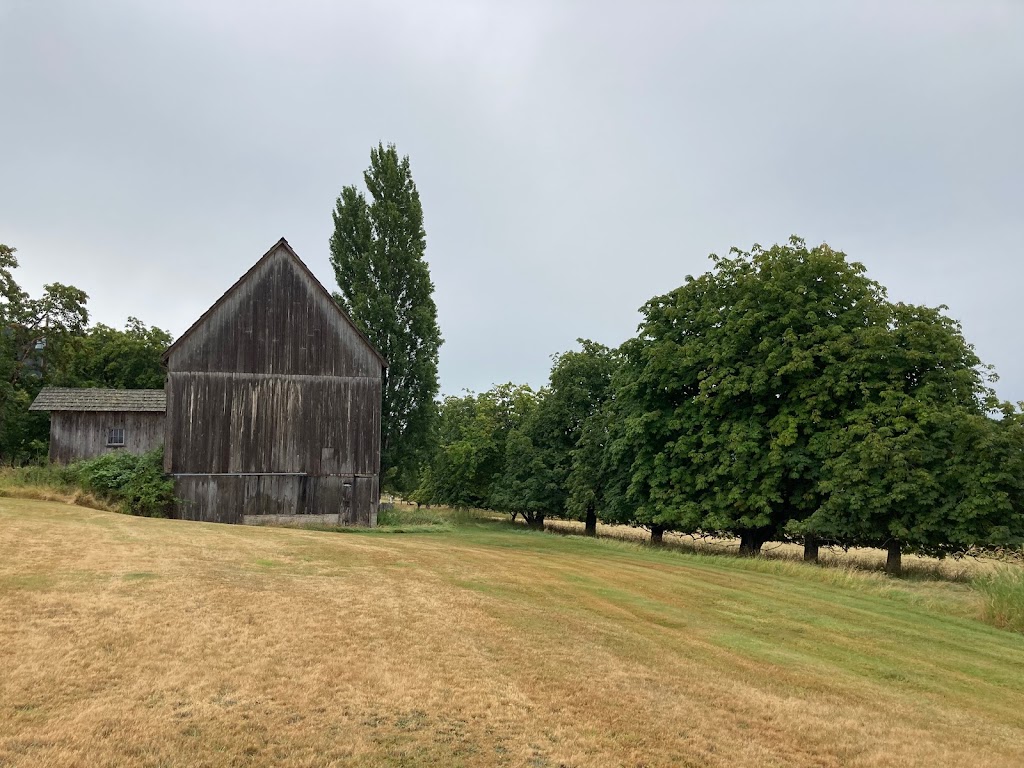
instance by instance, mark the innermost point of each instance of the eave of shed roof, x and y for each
(94, 399)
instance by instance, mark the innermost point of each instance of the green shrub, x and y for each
(1003, 591)
(136, 483)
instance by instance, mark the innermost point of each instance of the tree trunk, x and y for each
(751, 543)
(811, 545)
(657, 534)
(535, 523)
(894, 558)
(591, 525)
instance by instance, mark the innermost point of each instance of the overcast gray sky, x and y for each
(574, 158)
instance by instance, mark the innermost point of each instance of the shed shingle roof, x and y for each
(73, 399)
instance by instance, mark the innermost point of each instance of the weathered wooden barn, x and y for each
(85, 423)
(274, 404)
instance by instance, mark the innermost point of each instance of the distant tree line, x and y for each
(779, 397)
(47, 341)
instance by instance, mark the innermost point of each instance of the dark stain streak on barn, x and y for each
(273, 403)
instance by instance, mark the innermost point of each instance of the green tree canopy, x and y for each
(32, 331)
(782, 395)
(377, 251)
(470, 455)
(728, 385)
(106, 357)
(922, 465)
(580, 385)
(545, 472)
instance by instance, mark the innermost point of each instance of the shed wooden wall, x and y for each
(273, 405)
(78, 435)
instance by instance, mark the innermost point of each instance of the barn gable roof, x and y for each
(280, 246)
(80, 399)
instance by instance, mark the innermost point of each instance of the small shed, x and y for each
(274, 404)
(85, 423)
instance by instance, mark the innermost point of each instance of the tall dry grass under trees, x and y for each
(1003, 590)
(133, 641)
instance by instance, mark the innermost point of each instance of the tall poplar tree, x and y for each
(377, 251)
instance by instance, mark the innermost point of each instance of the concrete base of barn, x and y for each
(292, 499)
(296, 521)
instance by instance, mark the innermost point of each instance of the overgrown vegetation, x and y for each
(121, 481)
(136, 483)
(1003, 591)
(47, 482)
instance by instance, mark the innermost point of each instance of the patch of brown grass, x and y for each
(132, 641)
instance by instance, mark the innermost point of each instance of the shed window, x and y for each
(116, 436)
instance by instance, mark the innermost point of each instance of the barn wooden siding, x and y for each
(273, 404)
(78, 435)
(331, 499)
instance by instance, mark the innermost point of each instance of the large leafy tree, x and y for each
(727, 387)
(922, 465)
(526, 484)
(377, 251)
(469, 460)
(782, 395)
(108, 357)
(580, 386)
(547, 470)
(32, 330)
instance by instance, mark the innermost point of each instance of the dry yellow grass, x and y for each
(130, 641)
(953, 568)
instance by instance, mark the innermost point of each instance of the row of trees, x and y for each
(47, 340)
(779, 397)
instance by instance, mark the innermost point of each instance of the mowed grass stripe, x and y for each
(132, 641)
(782, 619)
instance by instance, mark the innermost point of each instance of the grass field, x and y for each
(132, 641)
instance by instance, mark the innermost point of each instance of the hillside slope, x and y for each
(131, 641)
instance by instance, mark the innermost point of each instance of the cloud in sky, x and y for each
(574, 159)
